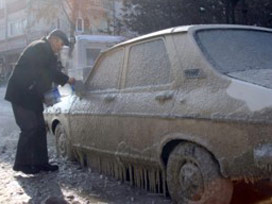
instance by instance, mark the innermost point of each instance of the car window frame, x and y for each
(145, 88)
(96, 67)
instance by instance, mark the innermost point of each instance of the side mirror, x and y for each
(80, 89)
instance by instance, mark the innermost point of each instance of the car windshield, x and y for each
(242, 54)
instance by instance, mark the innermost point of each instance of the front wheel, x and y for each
(63, 145)
(193, 177)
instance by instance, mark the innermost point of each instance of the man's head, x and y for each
(57, 39)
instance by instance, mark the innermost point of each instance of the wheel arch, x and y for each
(168, 145)
(54, 125)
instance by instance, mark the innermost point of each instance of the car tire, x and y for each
(63, 145)
(193, 177)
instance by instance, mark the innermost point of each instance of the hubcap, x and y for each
(191, 181)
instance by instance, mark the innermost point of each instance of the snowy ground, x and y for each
(72, 184)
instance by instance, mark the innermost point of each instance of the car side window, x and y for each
(148, 64)
(106, 73)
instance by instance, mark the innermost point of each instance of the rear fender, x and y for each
(170, 141)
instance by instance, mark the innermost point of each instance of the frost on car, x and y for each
(186, 110)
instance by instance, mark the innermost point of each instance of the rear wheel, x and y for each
(193, 177)
(63, 145)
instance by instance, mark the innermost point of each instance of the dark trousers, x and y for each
(32, 144)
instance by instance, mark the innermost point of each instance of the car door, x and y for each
(93, 126)
(146, 98)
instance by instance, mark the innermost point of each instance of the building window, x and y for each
(11, 29)
(16, 27)
(86, 24)
(2, 31)
(79, 25)
(2, 4)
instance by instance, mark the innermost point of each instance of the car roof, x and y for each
(187, 28)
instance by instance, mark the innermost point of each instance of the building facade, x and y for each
(22, 21)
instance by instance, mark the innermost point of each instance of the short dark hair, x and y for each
(60, 34)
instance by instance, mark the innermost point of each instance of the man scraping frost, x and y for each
(33, 75)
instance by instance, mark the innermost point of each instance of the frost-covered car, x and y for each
(186, 110)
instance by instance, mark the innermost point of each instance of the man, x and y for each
(32, 76)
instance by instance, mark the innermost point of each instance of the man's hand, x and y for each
(71, 80)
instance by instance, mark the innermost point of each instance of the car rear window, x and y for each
(239, 53)
(237, 50)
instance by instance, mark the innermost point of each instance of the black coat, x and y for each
(33, 75)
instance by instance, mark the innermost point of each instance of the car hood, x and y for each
(261, 77)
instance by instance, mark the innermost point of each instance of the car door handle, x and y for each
(164, 96)
(110, 97)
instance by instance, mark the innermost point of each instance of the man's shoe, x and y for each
(48, 167)
(26, 169)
